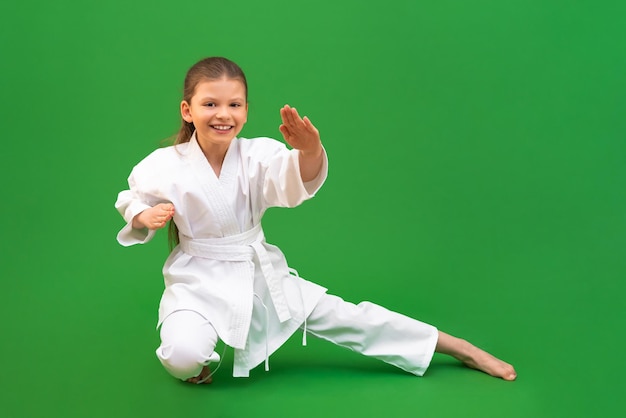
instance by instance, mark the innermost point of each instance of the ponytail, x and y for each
(185, 132)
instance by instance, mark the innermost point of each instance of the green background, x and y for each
(477, 170)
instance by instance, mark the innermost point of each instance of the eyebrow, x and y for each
(204, 99)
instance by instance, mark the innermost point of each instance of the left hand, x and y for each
(299, 132)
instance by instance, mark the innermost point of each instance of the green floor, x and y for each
(477, 182)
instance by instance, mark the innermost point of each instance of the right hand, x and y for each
(155, 217)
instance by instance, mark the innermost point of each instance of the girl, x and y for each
(222, 279)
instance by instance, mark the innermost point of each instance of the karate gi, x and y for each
(226, 272)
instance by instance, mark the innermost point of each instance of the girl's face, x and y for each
(218, 110)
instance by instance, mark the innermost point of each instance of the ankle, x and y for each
(465, 351)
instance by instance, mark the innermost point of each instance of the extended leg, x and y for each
(404, 342)
(376, 332)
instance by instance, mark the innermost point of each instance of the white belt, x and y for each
(243, 247)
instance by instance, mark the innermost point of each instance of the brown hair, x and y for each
(212, 68)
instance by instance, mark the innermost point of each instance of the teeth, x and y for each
(222, 127)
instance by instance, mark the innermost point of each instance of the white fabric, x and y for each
(187, 344)
(213, 213)
(188, 340)
(374, 331)
(225, 281)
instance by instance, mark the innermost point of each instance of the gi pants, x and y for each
(188, 340)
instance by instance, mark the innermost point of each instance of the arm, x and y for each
(303, 136)
(142, 214)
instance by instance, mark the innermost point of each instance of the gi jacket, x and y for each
(223, 268)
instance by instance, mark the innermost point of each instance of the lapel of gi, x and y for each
(213, 187)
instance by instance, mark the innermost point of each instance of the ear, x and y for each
(185, 111)
(246, 120)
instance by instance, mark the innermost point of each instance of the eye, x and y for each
(235, 105)
(210, 104)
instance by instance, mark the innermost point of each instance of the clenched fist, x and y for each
(155, 217)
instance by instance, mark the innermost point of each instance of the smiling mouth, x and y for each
(221, 127)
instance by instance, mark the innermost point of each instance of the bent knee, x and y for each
(181, 361)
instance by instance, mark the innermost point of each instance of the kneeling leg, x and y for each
(187, 344)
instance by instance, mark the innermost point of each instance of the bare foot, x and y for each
(483, 361)
(202, 377)
(474, 357)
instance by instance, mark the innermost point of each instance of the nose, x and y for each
(223, 112)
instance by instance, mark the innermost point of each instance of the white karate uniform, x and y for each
(229, 282)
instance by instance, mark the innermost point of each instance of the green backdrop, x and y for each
(477, 170)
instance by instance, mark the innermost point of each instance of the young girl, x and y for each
(222, 279)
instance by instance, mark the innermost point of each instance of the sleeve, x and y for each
(129, 205)
(283, 185)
